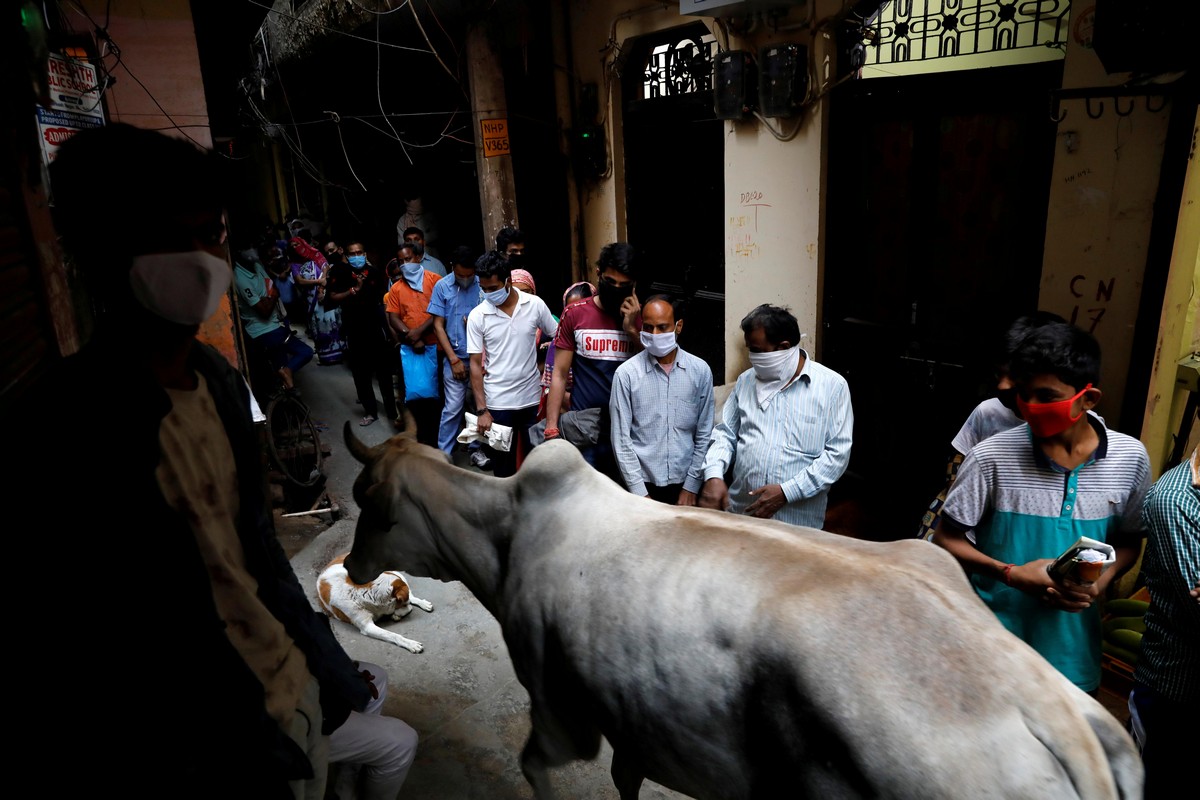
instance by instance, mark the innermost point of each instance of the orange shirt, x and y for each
(413, 306)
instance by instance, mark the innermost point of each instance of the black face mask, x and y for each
(611, 297)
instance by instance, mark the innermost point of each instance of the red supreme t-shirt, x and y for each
(599, 345)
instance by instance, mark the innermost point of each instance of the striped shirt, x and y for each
(800, 440)
(661, 421)
(1170, 659)
(1022, 507)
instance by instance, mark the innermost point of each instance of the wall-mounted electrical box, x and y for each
(589, 152)
(734, 8)
(783, 79)
(735, 84)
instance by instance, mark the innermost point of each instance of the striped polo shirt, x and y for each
(1022, 506)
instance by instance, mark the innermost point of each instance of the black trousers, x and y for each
(519, 419)
(372, 359)
(668, 494)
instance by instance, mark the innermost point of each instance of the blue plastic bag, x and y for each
(420, 373)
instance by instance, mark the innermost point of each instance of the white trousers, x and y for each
(384, 746)
(305, 730)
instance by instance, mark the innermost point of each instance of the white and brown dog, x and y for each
(361, 604)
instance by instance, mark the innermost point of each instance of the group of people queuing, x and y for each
(350, 309)
(271, 697)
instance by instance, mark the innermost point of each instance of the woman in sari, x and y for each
(324, 325)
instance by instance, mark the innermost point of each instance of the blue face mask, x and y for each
(497, 297)
(358, 262)
(465, 283)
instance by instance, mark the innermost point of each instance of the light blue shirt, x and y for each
(661, 421)
(801, 441)
(453, 303)
(432, 264)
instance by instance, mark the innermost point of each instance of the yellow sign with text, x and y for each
(495, 137)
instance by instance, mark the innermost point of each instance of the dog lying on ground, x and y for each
(361, 604)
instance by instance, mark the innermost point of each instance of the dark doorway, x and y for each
(938, 188)
(674, 182)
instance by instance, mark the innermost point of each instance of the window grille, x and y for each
(918, 30)
(680, 67)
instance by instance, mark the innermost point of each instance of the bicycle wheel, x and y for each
(293, 440)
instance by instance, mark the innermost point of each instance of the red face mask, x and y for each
(1050, 419)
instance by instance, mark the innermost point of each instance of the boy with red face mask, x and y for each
(1025, 495)
(993, 415)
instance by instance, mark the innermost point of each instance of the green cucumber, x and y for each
(1125, 607)
(1125, 623)
(1130, 640)
(1119, 653)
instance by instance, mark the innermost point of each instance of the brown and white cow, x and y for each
(730, 657)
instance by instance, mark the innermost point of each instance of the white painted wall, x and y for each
(773, 193)
(773, 189)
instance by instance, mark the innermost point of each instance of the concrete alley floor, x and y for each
(460, 694)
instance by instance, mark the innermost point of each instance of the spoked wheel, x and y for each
(293, 440)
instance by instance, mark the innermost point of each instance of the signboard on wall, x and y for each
(495, 137)
(74, 103)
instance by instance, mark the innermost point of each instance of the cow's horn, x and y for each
(410, 422)
(361, 453)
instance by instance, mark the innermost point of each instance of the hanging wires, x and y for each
(338, 124)
(379, 91)
(783, 137)
(421, 28)
(361, 7)
(302, 160)
(335, 30)
(336, 118)
(450, 41)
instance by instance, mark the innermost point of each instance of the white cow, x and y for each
(730, 657)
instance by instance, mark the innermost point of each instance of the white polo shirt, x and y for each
(512, 379)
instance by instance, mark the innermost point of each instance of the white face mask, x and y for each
(658, 344)
(777, 366)
(773, 371)
(184, 288)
